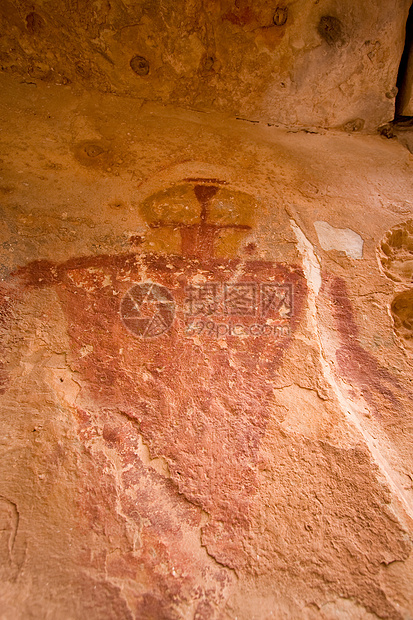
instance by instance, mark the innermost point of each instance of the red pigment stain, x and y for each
(359, 366)
(4, 379)
(201, 403)
(203, 180)
(240, 18)
(166, 527)
(198, 240)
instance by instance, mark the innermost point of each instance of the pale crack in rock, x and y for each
(12, 516)
(301, 386)
(11, 559)
(376, 445)
(311, 265)
(159, 464)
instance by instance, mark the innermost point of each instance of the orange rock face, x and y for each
(205, 380)
(305, 65)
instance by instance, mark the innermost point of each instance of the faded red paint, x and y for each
(163, 554)
(202, 406)
(241, 17)
(8, 299)
(356, 364)
(4, 378)
(198, 240)
(201, 403)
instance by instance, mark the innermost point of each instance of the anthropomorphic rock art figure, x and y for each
(193, 469)
(184, 345)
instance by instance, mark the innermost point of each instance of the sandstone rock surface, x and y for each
(323, 63)
(206, 410)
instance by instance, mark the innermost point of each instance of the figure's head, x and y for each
(199, 217)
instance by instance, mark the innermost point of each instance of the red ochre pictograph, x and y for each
(184, 337)
(258, 301)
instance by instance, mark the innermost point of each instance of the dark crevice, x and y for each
(401, 127)
(401, 77)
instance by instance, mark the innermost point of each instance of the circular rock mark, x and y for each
(387, 131)
(95, 154)
(93, 150)
(357, 124)
(139, 65)
(208, 63)
(280, 15)
(402, 313)
(396, 253)
(391, 94)
(147, 310)
(331, 30)
(117, 204)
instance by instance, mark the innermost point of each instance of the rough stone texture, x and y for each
(196, 469)
(404, 105)
(308, 63)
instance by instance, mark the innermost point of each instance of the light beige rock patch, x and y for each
(340, 239)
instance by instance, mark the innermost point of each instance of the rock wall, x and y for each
(308, 63)
(404, 101)
(206, 365)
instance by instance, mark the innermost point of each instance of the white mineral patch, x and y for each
(341, 239)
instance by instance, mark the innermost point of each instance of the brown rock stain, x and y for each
(240, 17)
(357, 364)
